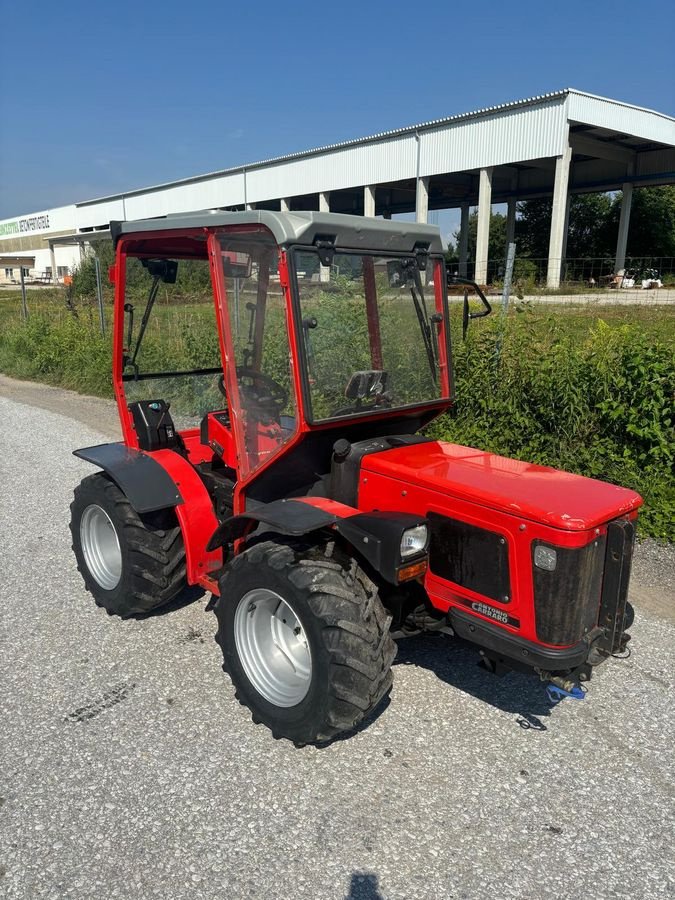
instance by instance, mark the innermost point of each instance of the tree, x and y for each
(84, 273)
(591, 232)
(497, 239)
(652, 221)
(533, 228)
(594, 224)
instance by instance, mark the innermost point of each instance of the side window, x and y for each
(257, 318)
(178, 357)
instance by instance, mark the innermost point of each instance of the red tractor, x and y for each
(272, 453)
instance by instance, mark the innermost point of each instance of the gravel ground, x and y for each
(654, 566)
(127, 770)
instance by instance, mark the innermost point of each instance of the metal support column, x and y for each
(24, 305)
(510, 222)
(483, 230)
(558, 218)
(99, 294)
(624, 222)
(464, 241)
(324, 206)
(55, 271)
(422, 200)
(369, 200)
(566, 228)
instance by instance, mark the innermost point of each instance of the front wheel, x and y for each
(305, 640)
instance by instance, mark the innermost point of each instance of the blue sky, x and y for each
(101, 97)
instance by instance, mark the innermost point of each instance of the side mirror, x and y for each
(467, 315)
(162, 269)
(401, 272)
(395, 273)
(237, 264)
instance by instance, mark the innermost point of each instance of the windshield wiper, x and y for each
(417, 294)
(152, 296)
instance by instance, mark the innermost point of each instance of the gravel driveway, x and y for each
(127, 769)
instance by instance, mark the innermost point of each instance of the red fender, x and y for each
(196, 518)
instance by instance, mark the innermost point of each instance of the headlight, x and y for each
(414, 540)
(545, 558)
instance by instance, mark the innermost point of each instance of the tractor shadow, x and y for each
(457, 664)
(363, 725)
(188, 595)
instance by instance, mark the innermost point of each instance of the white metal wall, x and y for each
(65, 256)
(221, 190)
(61, 218)
(633, 120)
(391, 159)
(517, 135)
(94, 215)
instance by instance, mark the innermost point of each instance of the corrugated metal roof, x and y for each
(617, 112)
(406, 130)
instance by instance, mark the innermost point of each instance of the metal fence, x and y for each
(591, 271)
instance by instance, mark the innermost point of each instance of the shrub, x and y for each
(536, 386)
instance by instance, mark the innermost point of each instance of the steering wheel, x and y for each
(262, 395)
(368, 390)
(382, 401)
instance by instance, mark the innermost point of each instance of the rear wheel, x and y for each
(130, 564)
(305, 640)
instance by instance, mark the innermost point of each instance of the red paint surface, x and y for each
(196, 517)
(537, 493)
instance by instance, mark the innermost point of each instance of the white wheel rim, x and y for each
(101, 547)
(272, 647)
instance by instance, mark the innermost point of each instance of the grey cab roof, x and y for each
(351, 232)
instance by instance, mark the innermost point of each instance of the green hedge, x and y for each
(542, 387)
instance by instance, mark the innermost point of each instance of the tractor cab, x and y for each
(240, 338)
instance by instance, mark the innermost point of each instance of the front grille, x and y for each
(588, 588)
(566, 599)
(618, 560)
(473, 557)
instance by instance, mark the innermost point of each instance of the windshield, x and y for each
(171, 337)
(371, 332)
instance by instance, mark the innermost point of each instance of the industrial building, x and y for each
(553, 146)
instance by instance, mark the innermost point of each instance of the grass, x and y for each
(575, 318)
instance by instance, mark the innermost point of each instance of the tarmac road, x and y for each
(127, 769)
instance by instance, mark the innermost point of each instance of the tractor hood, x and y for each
(538, 493)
